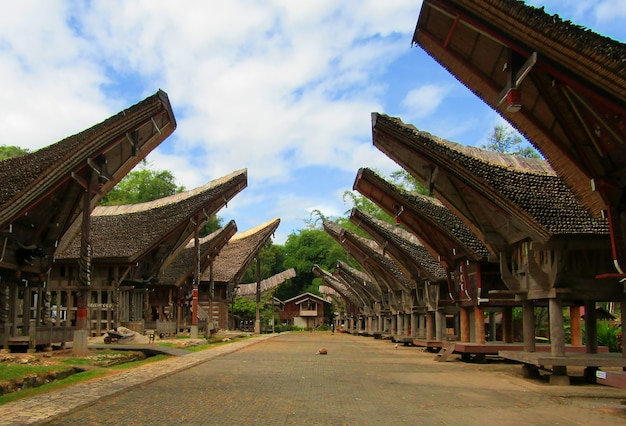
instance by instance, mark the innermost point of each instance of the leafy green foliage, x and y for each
(302, 250)
(142, 185)
(10, 151)
(505, 140)
(244, 308)
(609, 334)
(272, 258)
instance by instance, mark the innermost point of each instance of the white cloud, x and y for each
(423, 101)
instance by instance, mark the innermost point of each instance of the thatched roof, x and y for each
(370, 256)
(359, 281)
(405, 248)
(241, 250)
(128, 233)
(182, 268)
(444, 234)
(572, 98)
(524, 190)
(41, 192)
(339, 286)
(266, 284)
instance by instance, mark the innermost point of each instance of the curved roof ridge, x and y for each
(498, 159)
(165, 201)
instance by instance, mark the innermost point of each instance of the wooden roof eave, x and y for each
(181, 235)
(340, 287)
(349, 275)
(416, 159)
(438, 239)
(560, 43)
(378, 262)
(410, 266)
(209, 251)
(253, 252)
(562, 158)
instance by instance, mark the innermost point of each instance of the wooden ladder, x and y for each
(444, 353)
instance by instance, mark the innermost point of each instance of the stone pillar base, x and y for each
(79, 345)
(193, 332)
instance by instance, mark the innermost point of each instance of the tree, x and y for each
(10, 151)
(507, 141)
(302, 250)
(272, 258)
(142, 185)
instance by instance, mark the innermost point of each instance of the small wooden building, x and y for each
(131, 246)
(221, 278)
(305, 310)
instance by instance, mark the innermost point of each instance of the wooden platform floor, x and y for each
(493, 348)
(540, 359)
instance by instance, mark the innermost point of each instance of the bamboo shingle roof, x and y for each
(569, 81)
(370, 256)
(41, 192)
(360, 281)
(409, 253)
(339, 286)
(442, 233)
(241, 250)
(266, 284)
(128, 233)
(182, 268)
(578, 74)
(524, 190)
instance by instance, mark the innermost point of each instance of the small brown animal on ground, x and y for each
(322, 351)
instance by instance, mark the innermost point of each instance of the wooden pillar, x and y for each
(507, 324)
(575, 328)
(465, 325)
(430, 326)
(528, 325)
(557, 331)
(479, 324)
(591, 327)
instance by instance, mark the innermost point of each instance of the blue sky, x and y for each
(282, 88)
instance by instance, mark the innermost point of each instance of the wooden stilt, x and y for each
(575, 328)
(528, 318)
(507, 324)
(465, 325)
(430, 326)
(479, 324)
(591, 327)
(557, 332)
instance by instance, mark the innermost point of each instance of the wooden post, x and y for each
(575, 328)
(591, 327)
(430, 326)
(557, 331)
(507, 324)
(465, 325)
(528, 325)
(479, 324)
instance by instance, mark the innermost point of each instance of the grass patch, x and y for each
(17, 371)
(92, 362)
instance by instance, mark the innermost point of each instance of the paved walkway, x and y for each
(283, 381)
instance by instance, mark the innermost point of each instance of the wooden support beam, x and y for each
(465, 324)
(528, 318)
(591, 327)
(557, 332)
(479, 324)
(575, 328)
